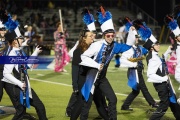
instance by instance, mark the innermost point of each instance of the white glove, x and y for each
(178, 101)
(25, 43)
(165, 78)
(23, 86)
(135, 64)
(38, 49)
(169, 50)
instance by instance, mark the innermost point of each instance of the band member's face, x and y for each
(2, 33)
(157, 47)
(109, 37)
(178, 38)
(30, 28)
(89, 38)
(16, 44)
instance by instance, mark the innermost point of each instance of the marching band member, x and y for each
(12, 84)
(133, 60)
(157, 73)
(75, 106)
(98, 56)
(86, 37)
(2, 47)
(174, 27)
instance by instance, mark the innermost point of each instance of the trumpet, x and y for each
(136, 59)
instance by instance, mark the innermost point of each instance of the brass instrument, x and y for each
(136, 59)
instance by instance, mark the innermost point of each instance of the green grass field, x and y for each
(55, 89)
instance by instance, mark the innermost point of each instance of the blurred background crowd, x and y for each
(40, 17)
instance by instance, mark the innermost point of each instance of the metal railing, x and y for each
(150, 21)
(135, 9)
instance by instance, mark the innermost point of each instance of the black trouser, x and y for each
(71, 103)
(1, 83)
(141, 86)
(14, 94)
(100, 102)
(109, 93)
(1, 90)
(82, 107)
(163, 93)
(73, 98)
(76, 111)
(175, 108)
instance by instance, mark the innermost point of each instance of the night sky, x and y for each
(162, 8)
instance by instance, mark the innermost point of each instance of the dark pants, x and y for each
(76, 111)
(14, 94)
(163, 93)
(103, 89)
(100, 102)
(82, 107)
(71, 103)
(1, 90)
(1, 83)
(73, 98)
(141, 86)
(109, 93)
(135, 93)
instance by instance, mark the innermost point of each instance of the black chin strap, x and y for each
(136, 44)
(18, 42)
(109, 43)
(154, 49)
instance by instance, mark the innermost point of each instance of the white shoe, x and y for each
(64, 70)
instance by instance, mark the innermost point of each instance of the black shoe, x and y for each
(28, 117)
(155, 105)
(127, 109)
(117, 66)
(67, 114)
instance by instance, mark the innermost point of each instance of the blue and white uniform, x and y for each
(177, 69)
(101, 53)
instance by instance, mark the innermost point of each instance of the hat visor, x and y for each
(109, 31)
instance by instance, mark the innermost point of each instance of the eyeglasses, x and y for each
(108, 36)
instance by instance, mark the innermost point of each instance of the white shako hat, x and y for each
(105, 20)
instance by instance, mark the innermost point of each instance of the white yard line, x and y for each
(40, 74)
(50, 82)
(119, 69)
(57, 83)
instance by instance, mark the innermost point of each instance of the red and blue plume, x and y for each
(103, 15)
(137, 23)
(127, 22)
(170, 22)
(11, 24)
(144, 31)
(87, 17)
